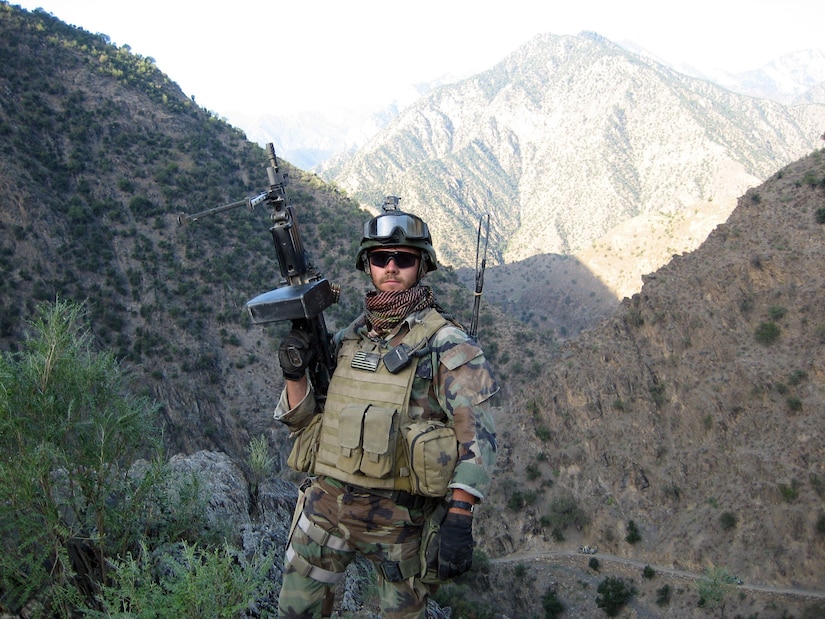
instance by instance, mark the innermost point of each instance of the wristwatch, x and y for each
(463, 505)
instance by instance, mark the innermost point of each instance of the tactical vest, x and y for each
(366, 414)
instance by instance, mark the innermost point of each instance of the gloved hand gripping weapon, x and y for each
(302, 294)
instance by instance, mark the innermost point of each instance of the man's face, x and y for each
(391, 276)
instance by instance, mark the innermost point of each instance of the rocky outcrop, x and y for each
(230, 507)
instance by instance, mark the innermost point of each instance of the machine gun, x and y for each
(302, 294)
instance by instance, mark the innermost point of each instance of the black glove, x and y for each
(455, 551)
(296, 353)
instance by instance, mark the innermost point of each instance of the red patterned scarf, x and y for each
(385, 310)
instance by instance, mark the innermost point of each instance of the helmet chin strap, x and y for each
(422, 268)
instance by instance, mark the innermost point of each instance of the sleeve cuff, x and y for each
(298, 416)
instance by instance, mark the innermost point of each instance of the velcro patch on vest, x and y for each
(363, 360)
(459, 355)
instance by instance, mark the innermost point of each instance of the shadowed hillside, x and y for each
(695, 412)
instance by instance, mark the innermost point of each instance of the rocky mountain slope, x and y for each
(694, 412)
(100, 153)
(569, 140)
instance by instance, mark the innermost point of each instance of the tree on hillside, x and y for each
(69, 433)
(714, 588)
(614, 593)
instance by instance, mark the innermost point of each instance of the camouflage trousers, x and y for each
(337, 523)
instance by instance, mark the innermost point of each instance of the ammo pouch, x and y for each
(432, 453)
(367, 438)
(302, 455)
(430, 540)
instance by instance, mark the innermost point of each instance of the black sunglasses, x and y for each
(402, 259)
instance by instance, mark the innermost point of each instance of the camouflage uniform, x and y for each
(453, 383)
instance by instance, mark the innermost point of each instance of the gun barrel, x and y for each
(250, 203)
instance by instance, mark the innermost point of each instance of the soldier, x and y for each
(406, 427)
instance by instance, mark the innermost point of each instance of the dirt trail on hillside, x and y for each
(567, 557)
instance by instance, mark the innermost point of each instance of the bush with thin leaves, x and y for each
(633, 536)
(551, 604)
(195, 583)
(69, 433)
(728, 521)
(767, 333)
(614, 593)
(259, 461)
(714, 587)
(564, 512)
(663, 596)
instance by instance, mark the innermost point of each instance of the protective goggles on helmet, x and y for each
(385, 226)
(402, 259)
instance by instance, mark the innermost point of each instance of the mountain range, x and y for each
(309, 139)
(568, 142)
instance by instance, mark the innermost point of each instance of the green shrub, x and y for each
(728, 521)
(714, 587)
(777, 312)
(813, 611)
(594, 564)
(196, 583)
(70, 433)
(143, 208)
(789, 492)
(633, 536)
(634, 317)
(551, 604)
(817, 484)
(796, 377)
(259, 461)
(658, 393)
(767, 333)
(663, 596)
(519, 500)
(82, 487)
(456, 597)
(648, 572)
(614, 593)
(810, 179)
(564, 512)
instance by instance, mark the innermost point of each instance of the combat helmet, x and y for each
(394, 227)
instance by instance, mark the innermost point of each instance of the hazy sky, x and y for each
(255, 57)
